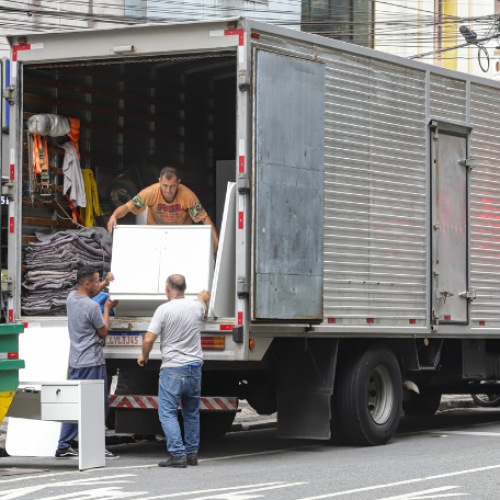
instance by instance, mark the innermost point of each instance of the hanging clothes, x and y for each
(74, 133)
(73, 179)
(92, 209)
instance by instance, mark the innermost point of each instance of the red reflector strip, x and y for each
(255, 35)
(240, 220)
(482, 323)
(240, 33)
(11, 315)
(221, 403)
(240, 317)
(447, 318)
(12, 355)
(370, 320)
(16, 48)
(12, 172)
(242, 165)
(213, 342)
(151, 402)
(208, 404)
(412, 321)
(332, 320)
(226, 328)
(25, 325)
(11, 224)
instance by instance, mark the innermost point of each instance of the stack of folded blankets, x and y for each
(53, 262)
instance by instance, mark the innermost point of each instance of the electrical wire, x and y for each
(406, 25)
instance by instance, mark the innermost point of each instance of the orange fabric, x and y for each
(37, 145)
(74, 133)
(184, 208)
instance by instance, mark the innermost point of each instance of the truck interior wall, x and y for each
(136, 117)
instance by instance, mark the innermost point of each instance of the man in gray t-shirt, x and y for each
(88, 328)
(178, 322)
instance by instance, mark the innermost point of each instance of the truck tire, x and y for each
(215, 425)
(425, 403)
(120, 192)
(368, 397)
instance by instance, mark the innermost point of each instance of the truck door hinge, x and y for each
(243, 288)
(243, 185)
(470, 295)
(7, 286)
(470, 163)
(8, 94)
(243, 82)
(8, 189)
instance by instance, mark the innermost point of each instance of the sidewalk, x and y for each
(249, 420)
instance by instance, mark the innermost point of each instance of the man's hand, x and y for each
(142, 360)
(204, 296)
(109, 278)
(112, 223)
(110, 304)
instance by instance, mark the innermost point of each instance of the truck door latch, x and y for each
(445, 294)
(470, 295)
(470, 163)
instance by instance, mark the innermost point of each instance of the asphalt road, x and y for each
(453, 454)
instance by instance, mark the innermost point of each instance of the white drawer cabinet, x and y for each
(78, 401)
(60, 412)
(60, 394)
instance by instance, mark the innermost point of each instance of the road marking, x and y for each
(89, 481)
(126, 467)
(244, 494)
(400, 483)
(421, 495)
(466, 433)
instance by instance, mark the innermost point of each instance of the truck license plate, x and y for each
(124, 340)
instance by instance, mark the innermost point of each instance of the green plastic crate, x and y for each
(10, 364)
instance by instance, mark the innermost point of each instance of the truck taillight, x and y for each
(213, 342)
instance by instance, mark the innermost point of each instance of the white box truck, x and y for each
(365, 227)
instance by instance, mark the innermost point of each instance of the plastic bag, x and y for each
(51, 125)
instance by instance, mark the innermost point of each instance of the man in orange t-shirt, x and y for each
(169, 202)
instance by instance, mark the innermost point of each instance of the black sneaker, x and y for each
(192, 459)
(180, 462)
(108, 454)
(67, 453)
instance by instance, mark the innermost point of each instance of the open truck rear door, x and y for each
(288, 176)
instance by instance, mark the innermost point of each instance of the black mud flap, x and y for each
(306, 376)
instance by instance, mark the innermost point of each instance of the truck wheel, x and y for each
(368, 397)
(215, 425)
(425, 403)
(121, 191)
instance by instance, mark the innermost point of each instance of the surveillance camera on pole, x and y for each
(469, 35)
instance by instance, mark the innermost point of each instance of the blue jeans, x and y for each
(70, 431)
(182, 383)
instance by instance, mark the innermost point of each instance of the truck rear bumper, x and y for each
(151, 403)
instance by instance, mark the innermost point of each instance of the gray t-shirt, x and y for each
(178, 322)
(84, 317)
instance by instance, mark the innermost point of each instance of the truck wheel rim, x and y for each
(380, 395)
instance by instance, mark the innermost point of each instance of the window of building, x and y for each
(346, 20)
